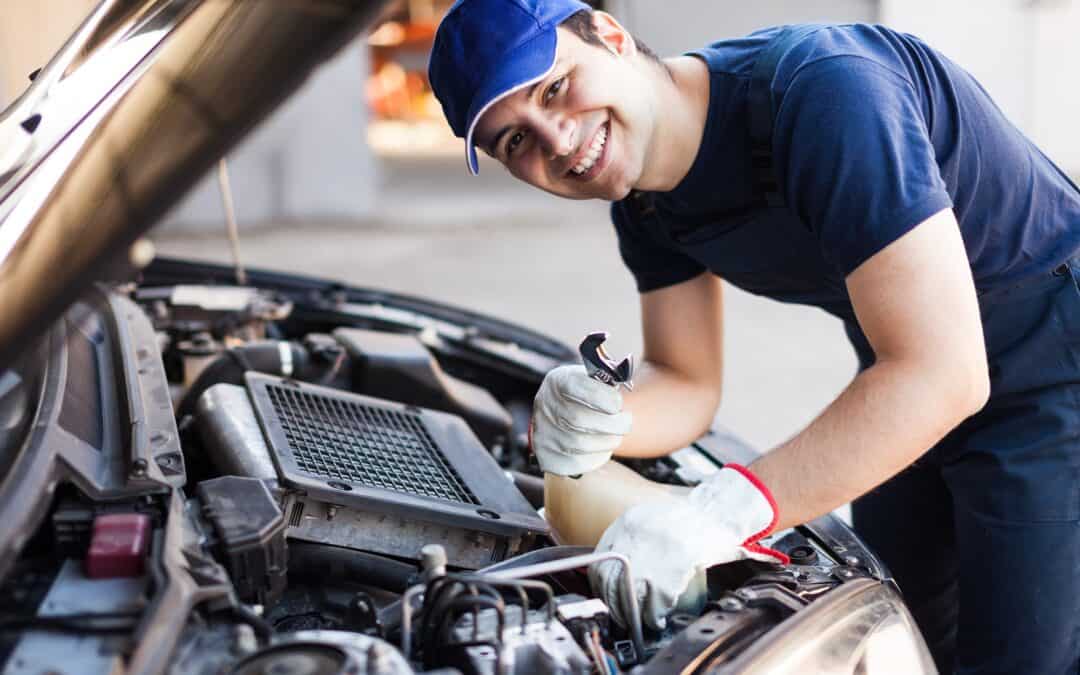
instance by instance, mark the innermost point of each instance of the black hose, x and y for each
(85, 622)
(263, 630)
(322, 562)
(458, 607)
(532, 487)
(263, 356)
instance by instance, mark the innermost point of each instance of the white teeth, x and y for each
(598, 141)
(593, 153)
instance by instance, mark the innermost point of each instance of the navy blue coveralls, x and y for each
(865, 133)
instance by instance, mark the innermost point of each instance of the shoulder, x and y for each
(846, 52)
(736, 56)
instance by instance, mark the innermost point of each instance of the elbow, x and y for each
(709, 396)
(980, 390)
(970, 388)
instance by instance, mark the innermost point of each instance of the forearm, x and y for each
(887, 417)
(670, 410)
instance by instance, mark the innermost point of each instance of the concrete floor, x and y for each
(495, 246)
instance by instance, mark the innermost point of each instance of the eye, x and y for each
(554, 89)
(515, 140)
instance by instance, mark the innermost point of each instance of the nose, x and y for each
(555, 131)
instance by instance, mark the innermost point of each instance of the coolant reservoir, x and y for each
(580, 509)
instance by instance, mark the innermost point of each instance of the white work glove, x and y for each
(577, 422)
(669, 540)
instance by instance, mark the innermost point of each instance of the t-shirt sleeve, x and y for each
(653, 264)
(857, 164)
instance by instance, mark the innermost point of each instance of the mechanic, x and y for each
(848, 167)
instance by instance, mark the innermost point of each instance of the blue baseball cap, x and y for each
(485, 50)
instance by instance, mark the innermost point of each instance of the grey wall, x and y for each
(674, 26)
(308, 163)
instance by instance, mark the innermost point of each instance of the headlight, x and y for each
(861, 628)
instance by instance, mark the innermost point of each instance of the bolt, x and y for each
(852, 560)
(138, 468)
(433, 561)
(845, 573)
(141, 253)
(331, 511)
(730, 604)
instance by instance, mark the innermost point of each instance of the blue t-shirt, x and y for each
(873, 132)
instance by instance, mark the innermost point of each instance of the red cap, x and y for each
(118, 546)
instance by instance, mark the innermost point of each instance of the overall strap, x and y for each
(760, 108)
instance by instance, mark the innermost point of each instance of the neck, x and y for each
(682, 106)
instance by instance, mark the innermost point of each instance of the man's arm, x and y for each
(915, 301)
(677, 387)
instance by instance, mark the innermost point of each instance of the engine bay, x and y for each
(298, 477)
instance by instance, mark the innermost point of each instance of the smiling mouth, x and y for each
(590, 159)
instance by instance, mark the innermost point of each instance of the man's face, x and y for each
(583, 130)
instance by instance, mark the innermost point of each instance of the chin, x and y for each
(619, 192)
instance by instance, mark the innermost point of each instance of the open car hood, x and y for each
(129, 114)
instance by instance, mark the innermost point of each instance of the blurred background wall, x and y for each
(282, 173)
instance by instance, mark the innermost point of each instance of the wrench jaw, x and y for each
(625, 371)
(602, 367)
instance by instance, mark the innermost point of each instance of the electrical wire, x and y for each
(449, 597)
(594, 654)
(626, 579)
(593, 640)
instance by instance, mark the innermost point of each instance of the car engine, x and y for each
(292, 476)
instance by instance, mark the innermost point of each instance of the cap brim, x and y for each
(530, 62)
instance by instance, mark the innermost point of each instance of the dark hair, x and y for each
(580, 23)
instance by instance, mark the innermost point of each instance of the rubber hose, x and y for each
(532, 487)
(322, 561)
(229, 367)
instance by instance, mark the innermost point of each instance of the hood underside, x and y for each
(128, 115)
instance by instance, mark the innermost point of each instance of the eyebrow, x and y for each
(490, 147)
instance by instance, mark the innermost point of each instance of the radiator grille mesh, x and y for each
(365, 445)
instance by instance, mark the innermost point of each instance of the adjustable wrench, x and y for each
(602, 367)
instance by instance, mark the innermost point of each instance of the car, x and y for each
(210, 472)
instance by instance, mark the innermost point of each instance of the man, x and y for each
(848, 167)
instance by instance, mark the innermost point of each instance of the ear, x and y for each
(617, 39)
